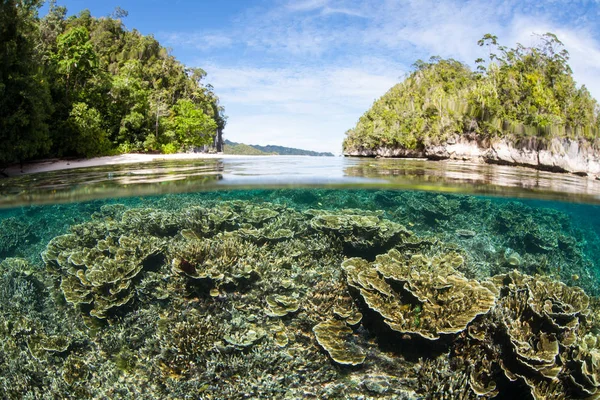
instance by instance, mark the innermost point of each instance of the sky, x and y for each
(300, 73)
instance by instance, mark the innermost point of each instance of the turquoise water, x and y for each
(359, 285)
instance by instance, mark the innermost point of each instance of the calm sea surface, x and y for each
(299, 277)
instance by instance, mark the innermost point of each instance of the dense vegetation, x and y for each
(257, 150)
(85, 86)
(517, 93)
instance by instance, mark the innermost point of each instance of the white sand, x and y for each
(57, 164)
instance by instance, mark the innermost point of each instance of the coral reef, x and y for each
(539, 334)
(97, 272)
(14, 233)
(512, 328)
(302, 294)
(332, 336)
(359, 230)
(426, 297)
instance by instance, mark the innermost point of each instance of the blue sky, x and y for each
(301, 72)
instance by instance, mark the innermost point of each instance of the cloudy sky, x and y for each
(300, 73)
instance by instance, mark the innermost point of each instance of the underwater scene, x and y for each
(300, 293)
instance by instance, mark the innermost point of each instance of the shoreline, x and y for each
(129, 158)
(556, 156)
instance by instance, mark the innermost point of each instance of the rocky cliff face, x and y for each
(558, 155)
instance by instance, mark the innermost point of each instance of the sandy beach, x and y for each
(58, 164)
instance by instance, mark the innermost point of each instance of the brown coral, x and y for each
(536, 334)
(99, 272)
(358, 229)
(421, 296)
(225, 258)
(332, 336)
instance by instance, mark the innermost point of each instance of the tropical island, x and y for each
(81, 86)
(520, 107)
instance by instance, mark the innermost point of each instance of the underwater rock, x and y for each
(465, 233)
(333, 337)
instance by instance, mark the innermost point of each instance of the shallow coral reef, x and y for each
(315, 294)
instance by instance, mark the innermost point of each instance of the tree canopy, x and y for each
(86, 86)
(516, 93)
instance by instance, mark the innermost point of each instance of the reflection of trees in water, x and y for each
(123, 180)
(476, 178)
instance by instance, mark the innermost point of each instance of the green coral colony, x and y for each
(401, 295)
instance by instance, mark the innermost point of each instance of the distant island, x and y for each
(257, 150)
(520, 107)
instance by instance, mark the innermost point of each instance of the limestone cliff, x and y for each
(558, 155)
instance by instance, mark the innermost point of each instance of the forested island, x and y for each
(84, 86)
(258, 150)
(521, 106)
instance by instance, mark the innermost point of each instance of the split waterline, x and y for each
(295, 277)
(177, 176)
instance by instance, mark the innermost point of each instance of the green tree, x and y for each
(75, 57)
(24, 94)
(85, 86)
(89, 139)
(191, 125)
(517, 93)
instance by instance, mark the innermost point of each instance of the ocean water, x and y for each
(292, 278)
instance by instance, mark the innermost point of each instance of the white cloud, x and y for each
(308, 69)
(345, 11)
(200, 41)
(325, 7)
(297, 107)
(306, 5)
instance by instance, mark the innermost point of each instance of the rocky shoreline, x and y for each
(557, 155)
